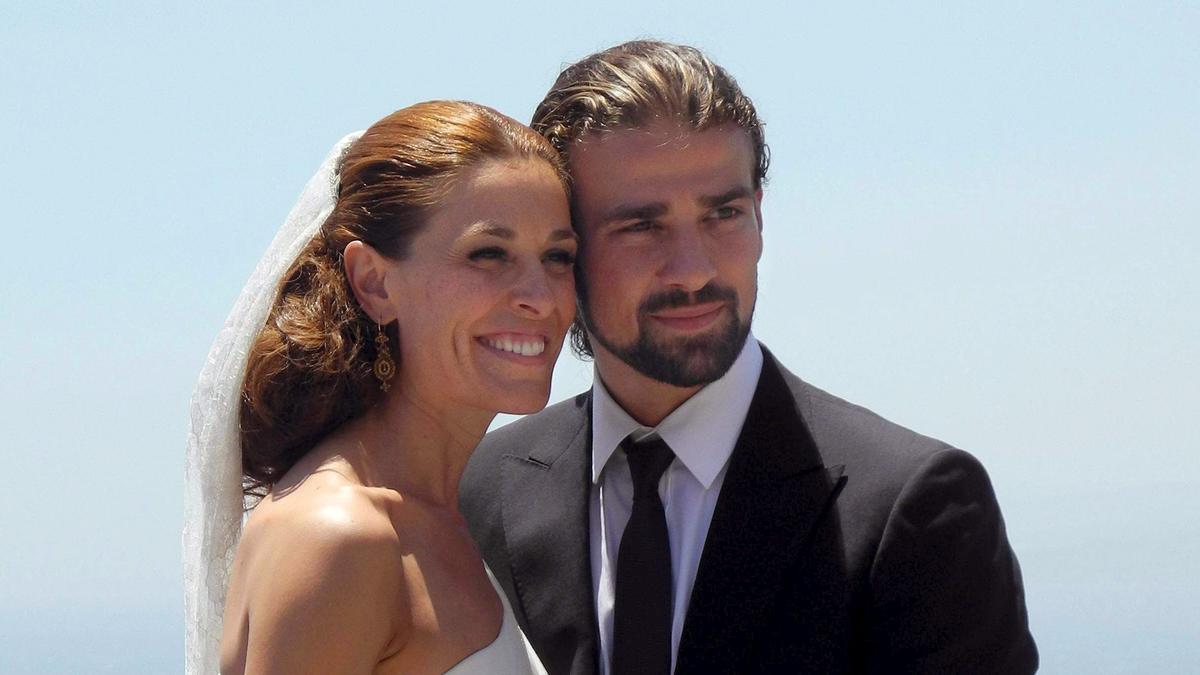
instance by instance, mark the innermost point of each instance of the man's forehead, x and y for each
(660, 134)
(662, 152)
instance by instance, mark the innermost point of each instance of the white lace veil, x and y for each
(213, 502)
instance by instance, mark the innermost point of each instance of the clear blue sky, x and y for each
(982, 222)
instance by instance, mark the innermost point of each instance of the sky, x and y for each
(981, 222)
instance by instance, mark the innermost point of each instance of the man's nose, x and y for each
(688, 262)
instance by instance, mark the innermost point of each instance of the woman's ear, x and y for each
(366, 269)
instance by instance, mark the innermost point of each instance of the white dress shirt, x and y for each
(701, 433)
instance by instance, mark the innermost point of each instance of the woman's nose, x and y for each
(531, 293)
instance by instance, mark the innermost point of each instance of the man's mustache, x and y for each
(679, 298)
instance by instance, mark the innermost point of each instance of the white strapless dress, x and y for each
(509, 654)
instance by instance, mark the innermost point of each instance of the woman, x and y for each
(432, 293)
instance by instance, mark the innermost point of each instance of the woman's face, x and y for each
(487, 291)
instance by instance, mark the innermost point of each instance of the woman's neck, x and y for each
(415, 446)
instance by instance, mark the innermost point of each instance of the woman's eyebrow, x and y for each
(491, 228)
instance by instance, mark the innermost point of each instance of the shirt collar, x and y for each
(702, 431)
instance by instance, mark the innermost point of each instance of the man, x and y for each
(701, 509)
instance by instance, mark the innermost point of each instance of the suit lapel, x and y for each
(545, 513)
(775, 490)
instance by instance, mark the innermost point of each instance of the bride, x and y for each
(422, 284)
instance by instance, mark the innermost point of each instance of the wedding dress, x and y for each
(213, 501)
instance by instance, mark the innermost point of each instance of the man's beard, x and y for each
(681, 361)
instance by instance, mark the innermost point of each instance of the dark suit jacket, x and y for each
(840, 543)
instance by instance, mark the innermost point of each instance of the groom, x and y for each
(702, 509)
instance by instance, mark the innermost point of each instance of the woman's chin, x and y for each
(526, 404)
(523, 410)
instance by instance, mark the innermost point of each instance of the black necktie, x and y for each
(642, 621)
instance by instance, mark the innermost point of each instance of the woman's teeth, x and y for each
(522, 347)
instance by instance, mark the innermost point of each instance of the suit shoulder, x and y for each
(547, 430)
(878, 454)
(881, 459)
(842, 428)
(542, 434)
(555, 421)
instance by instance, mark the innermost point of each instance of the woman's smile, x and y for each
(523, 348)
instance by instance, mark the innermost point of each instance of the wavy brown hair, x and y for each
(309, 370)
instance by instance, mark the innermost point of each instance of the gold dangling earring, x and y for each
(385, 367)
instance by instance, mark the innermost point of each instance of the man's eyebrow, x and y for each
(712, 201)
(634, 212)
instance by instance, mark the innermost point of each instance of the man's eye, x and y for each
(489, 253)
(727, 212)
(640, 226)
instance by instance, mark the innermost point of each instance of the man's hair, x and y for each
(633, 84)
(630, 86)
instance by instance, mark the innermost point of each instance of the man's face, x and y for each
(671, 234)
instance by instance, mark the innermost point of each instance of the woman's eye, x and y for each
(489, 253)
(561, 257)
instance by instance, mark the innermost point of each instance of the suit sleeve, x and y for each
(946, 589)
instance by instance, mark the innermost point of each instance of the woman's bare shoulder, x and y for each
(320, 566)
(322, 519)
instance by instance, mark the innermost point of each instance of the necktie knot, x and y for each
(648, 460)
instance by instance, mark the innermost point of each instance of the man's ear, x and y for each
(758, 194)
(366, 270)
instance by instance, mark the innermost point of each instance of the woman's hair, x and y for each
(310, 368)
